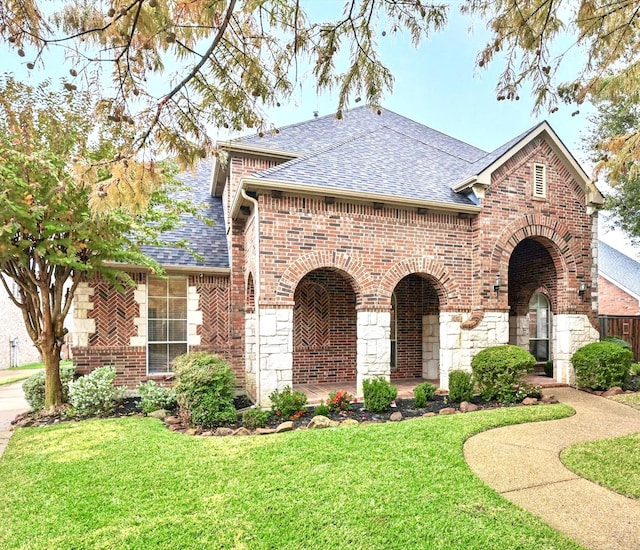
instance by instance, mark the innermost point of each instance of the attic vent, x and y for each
(539, 180)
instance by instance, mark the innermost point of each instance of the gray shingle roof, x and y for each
(208, 241)
(386, 154)
(618, 267)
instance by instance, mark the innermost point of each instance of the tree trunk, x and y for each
(52, 383)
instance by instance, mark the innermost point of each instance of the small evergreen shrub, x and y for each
(255, 418)
(321, 409)
(548, 369)
(460, 386)
(339, 401)
(154, 397)
(204, 387)
(602, 365)
(498, 372)
(95, 393)
(617, 340)
(635, 369)
(288, 404)
(423, 393)
(378, 394)
(33, 387)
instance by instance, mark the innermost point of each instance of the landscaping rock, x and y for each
(549, 399)
(265, 431)
(447, 410)
(285, 427)
(350, 422)
(160, 413)
(172, 420)
(466, 407)
(320, 421)
(223, 431)
(208, 433)
(191, 431)
(396, 417)
(242, 431)
(616, 390)
(529, 401)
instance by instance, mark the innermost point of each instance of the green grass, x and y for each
(131, 483)
(17, 378)
(631, 399)
(25, 371)
(36, 366)
(612, 463)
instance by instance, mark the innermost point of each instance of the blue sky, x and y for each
(437, 84)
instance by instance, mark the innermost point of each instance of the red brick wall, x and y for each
(324, 329)
(531, 267)
(415, 297)
(612, 300)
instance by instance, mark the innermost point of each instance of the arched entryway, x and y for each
(533, 290)
(324, 328)
(415, 329)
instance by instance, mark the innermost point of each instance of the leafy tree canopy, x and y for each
(50, 238)
(178, 67)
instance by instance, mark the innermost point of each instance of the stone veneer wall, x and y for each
(571, 331)
(374, 347)
(276, 351)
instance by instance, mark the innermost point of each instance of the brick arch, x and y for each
(353, 270)
(520, 305)
(443, 283)
(250, 294)
(535, 226)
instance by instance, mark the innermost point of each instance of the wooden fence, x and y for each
(627, 328)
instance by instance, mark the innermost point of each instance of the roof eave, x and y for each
(255, 184)
(168, 268)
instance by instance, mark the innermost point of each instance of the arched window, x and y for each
(394, 332)
(539, 327)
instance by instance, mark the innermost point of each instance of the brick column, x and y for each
(373, 346)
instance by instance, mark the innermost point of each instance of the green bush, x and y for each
(548, 369)
(498, 372)
(378, 394)
(288, 404)
(33, 387)
(617, 340)
(423, 393)
(460, 386)
(602, 365)
(95, 393)
(635, 369)
(255, 418)
(204, 387)
(154, 397)
(321, 409)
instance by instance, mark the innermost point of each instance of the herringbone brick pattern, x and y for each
(113, 312)
(214, 303)
(312, 315)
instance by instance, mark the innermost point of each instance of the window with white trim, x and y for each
(166, 322)
(394, 332)
(539, 327)
(539, 180)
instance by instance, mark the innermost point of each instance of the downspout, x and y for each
(256, 282)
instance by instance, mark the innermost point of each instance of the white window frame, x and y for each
(539, 180)
(168, 320)
(393, 332)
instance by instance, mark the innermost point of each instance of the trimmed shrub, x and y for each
(602, 365)
(378, 394)
(288, 404)
(321, 409)
(95, 393)
(423, 393)
(498, 372)
(154, 397)
(33, 387)
(635, 369)
(460, 386)
(255, 418)
(204, 387)
(617, 340)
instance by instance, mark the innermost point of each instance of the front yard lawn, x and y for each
(131, 483)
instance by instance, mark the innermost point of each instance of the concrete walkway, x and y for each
(523, 464)
(12, 403)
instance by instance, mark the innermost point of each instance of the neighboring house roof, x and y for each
(388, 155)
(208, 241)
(618, 268)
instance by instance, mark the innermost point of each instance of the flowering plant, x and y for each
(339, 401)
(287, 403)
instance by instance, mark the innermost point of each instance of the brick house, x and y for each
(361, 247)
(618, 282)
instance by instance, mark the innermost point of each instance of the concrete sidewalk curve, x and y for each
(12, 403)
(523, 464)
